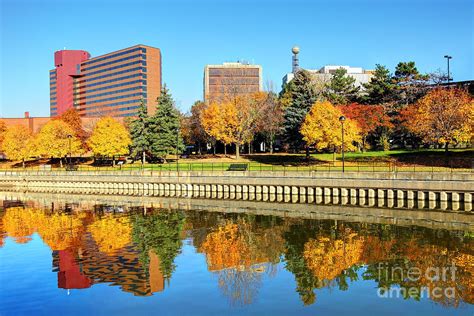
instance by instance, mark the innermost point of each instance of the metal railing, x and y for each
(214, 167)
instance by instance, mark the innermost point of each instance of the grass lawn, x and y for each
(414, 160)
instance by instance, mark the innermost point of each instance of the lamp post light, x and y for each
(342, 119)
(69, 138)
(448, 58)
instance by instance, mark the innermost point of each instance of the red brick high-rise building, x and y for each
(112, 84)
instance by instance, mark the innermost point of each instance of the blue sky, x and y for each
(192, 34)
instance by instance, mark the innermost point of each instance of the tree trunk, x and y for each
(271, 147)
(143, 158)
(237, 151)
(250, 148)
(23, 163)
(113, 161)
(363, 144)
(307, 153)
(61, 162)
(225, 150)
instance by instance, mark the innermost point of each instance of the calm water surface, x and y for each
(128, 260)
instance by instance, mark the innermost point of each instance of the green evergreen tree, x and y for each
(410, 83)
(299, 95)
(341, 88)
(165, 138)
(140, 132)
(161, 232)
(380, 88)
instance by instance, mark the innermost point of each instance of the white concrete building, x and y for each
(325, 73)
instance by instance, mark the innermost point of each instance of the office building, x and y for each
(325, 73)
(112, 84)
(231, 79)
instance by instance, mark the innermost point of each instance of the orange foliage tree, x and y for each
(369, 118)
(444, 116)
(328, 258)
(72, 118)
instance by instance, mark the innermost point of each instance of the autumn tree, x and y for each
(298, 95)
(370, 119)
(218, 120)
(443, 116)
(73, 119)
(322, 128)
(196, 129)
(3, 129)
(140, 132)
(341, 88)
(55, 139)
(165, 136)
(18, 143)
(270, 122)
(109, 138)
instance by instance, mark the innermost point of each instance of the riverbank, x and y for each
(404, 190)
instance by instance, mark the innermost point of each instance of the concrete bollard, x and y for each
(272, 193)
(319, 191)
(443, 196)
(455, 197)
(344, 192)
(380, 194)
(353, 193)
(310, 194)
(371, 193)
(390, 194)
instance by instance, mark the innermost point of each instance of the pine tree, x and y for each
(341, 88)
(165, 136)
(380, 88)
(299, 95)
(140, 132)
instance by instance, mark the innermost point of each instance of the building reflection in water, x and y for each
(136, 251)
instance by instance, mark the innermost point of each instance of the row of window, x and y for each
(52, 103)
(92, 61)
(84, 91)
(52, 98)
(115, 110)
(112, 92)
(143, 94)
(143, 56)
(52, 92)
(111, 104)
(142, 62)
(112, 80)
(52, 81)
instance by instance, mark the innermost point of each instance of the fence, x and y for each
(257, 167)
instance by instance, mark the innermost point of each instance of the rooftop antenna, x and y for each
(295, 61)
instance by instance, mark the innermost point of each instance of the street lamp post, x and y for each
(69, 138)
(342, 119)
(448, 58)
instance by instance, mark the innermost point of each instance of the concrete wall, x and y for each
(438, 191)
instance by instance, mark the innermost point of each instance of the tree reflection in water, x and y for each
(137, 251)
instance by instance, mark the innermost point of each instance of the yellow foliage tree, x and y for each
(219, 121)
(3, 129)
(322, 128)
(234, 120)
(443, 116)
(54, 139)
(328, 258)
(109, 138)
(18, 143)
(111, 233)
